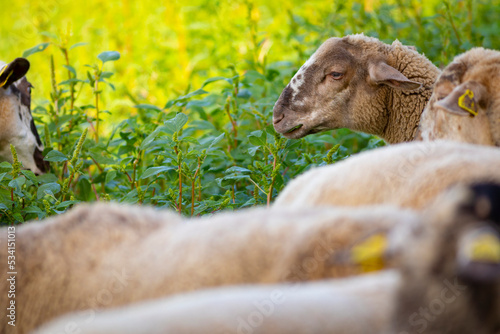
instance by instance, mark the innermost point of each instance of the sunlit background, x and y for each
(170, 47)
(163, 141)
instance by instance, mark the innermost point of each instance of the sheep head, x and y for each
(339, 87)
(18, 127)
(451, 266)
(465, 104)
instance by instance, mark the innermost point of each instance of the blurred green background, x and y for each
(186, 110)
(168, 47)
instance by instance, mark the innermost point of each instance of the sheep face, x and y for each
(16, 122)
(465, 104)
(455, 288)
(336, 86)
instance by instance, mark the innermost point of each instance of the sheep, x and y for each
(451, 266)
(360, 83)
(448, 281)
(407, 175)
(18, 127)
(465, 104)
(355, 305)
(101, 256)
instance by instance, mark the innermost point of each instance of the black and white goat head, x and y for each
(17, 126)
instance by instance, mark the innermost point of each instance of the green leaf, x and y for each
(18, 217)
(55, 156)
(101, 156)
(35, 49)
(5, 166)
(214, 79)
(33, 209)
(152, 171)
(49, 35)
(31, 176)
(70, 81)
(109, 56)
(147, 106)
(257, 138)
(71, 69)
(195, 93)
(150, 138)
(110, 176)
(176, 123)
(65, 204)
(3, 207)
(17, 183)
(252, 150)
(216, 140)
(236, 169)
(48, 189)
(245, 94)
(231, 179)
(47, 178)
(77, 45)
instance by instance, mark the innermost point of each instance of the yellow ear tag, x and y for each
(485, 248)
(467, 103)
(370, 253)
(8, 76)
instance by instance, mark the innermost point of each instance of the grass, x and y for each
(178, 113)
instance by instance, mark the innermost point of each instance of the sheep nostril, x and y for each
(277, 119)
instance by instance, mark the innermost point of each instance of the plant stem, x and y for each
(134, 166)
(450, 18)
(180, 186)
(96, 92)
(193, 184)
(72, 84)
(273, 177)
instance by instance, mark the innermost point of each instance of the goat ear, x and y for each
(13, 71)
(383, 74)
(464, 99)
(479, 255)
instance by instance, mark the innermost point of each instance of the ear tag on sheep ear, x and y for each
(466, 102)
(485, 248)
(7, 78)
(369, 254)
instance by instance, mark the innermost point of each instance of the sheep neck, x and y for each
(404, 108)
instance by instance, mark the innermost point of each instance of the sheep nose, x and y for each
(278, 118)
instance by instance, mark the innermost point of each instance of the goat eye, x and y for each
(337, 75)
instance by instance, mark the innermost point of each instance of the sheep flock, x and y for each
(399, 239)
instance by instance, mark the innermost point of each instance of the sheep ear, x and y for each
(369, 254)
(383, 74)
(479, 255)
(13, 71)
(464, 99)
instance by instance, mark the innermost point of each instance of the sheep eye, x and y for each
(337, 75)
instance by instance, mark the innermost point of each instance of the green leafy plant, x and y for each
(211, 145)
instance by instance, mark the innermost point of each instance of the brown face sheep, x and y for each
(448, 282)
(465, 104)
(17, 126)
(406, 175)
(103, 256)
(360, 83)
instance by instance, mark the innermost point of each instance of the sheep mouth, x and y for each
(293, 129)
